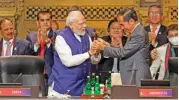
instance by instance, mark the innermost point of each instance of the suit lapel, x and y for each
(15, 47)
(50, 34)
(1, 44)
(160, 32)
(148, 28)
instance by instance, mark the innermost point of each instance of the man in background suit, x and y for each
(157, 31)
(134, 55)
(116, 39)
(173, 41)
(9, 44)
(42, 40)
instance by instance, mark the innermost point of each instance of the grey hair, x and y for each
(72, 16)
(156, 6)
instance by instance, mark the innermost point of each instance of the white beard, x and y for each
(82, 33)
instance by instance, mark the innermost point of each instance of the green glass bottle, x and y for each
(97, 86)
(93, 81)
(88, 86)
(109, 80)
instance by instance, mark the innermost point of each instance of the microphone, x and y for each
(17, 77)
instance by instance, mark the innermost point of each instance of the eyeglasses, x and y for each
(115, 28)
(154, 14)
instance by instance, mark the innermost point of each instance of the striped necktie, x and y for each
(8, 49)
(154, 29)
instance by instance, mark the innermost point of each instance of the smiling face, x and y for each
(7, 30)
(79, 25)
(155, 16)
(128, 26)
(115, 30)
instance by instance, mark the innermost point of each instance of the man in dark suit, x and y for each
(116, 39)
(157, 31)
(42, 41)
(134, 55)
(9, 44)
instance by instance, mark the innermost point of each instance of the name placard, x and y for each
(17, 92)
(155, 93)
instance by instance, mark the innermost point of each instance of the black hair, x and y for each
(111, 22)
(128, 14)
(172, 27)
(45, 11)
(155, 6)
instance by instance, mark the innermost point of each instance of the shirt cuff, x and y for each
(86, 55)
(155, 45)
(35, 48)
(48, 45)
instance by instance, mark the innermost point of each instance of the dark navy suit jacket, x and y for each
(161, 36)
(48, 57)
(20, 47)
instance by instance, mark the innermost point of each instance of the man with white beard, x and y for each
(72, 57)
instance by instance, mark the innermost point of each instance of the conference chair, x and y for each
(27, 70)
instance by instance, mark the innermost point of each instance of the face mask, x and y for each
(173, 40)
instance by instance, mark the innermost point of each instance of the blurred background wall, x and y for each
(97, 12)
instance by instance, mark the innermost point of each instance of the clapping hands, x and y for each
(152, 37)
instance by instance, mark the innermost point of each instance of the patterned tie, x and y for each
(8, 49)
(154, 29)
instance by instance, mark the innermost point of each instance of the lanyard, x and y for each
(9, 48)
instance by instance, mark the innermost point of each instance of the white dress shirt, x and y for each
(65, 53)
(48, 45)
(115, 65)
(157, 30)
(5, 46)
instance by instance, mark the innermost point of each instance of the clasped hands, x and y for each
(42, 36)
(152, 37)
(97, 46)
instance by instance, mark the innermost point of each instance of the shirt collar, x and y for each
(4, 41)
(77, 37)
(48, 32)
(151, 27)
(135, 27)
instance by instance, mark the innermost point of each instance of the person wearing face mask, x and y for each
(72, 58)
(173, 39)
(172, 35)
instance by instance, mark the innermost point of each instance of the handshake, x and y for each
(97, 46)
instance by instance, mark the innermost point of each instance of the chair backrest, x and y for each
(173, 64)
(27, 70)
